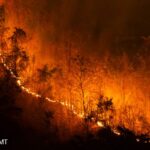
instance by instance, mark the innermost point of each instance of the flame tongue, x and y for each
(27, 90)
(2, 2)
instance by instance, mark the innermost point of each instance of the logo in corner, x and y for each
(3, 141)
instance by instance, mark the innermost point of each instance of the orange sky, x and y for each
(1, 1)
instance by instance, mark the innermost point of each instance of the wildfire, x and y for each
(68, 106)
(2, 2)
(27, 90)
(116, 132)
(100, 124)
(138, 140)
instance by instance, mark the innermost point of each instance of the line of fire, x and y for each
(70, 82)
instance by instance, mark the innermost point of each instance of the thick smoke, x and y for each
(92, 26)
(96, 22)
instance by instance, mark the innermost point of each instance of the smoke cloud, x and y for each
(96, 22)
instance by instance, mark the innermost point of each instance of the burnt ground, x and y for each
(18, 123)
(26, 139)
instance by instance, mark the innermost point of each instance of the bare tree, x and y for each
(44, 76)
(81, 72)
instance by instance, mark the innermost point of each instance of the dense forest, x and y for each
(72, 96)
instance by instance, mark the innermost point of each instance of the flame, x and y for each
(2, 2)
(80, 115)
(27, 90)
(100, 124)
(116, 132)
(138, 140)
(113, 84)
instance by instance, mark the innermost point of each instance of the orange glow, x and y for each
(2, 2)
(128, 88)
(100, 124)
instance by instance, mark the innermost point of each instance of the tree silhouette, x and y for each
(44, 78)
(17, 59)
(104, 106)
(81, 71)
(44, 73)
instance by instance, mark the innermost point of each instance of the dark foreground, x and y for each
(22, 137)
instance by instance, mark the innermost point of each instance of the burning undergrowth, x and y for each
(108, 88)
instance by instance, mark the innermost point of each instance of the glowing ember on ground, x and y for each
(62, 103)
(100, 124)
(33, 93)
(116, 132)
(19, 82)
(138, 140)
(80, 115)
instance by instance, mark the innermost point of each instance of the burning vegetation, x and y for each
(107, 92)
